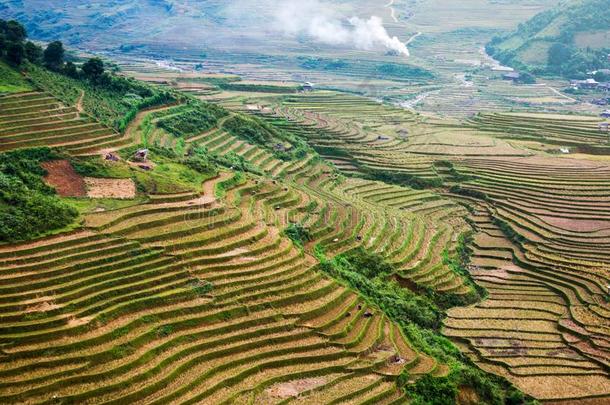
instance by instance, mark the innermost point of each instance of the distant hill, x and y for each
(568, 40)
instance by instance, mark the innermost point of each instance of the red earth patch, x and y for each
(64, 179)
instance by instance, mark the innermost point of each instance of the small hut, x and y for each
(141, 155)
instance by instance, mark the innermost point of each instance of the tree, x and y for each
(3, 44)
(33, 52)
(14, 31)
(601, 77)
(527, 78)
(70, 70)
(558, 55)
(54, 55)
(15, 53)
(93, 69)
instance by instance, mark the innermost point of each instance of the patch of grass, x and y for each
(88, 205)
(11, 81)
(282, 144)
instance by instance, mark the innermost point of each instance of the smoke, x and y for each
(323, 24)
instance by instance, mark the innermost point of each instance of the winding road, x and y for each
(392, 10)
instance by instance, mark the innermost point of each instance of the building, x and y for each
(514, 76)
(307, 86)
(605, 114)
(605, 86)
(141, 155)
(589, 84)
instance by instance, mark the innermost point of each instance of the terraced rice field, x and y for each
(200, 298)
(120, 311)
(399, 223)
(542, 228)
(38, 119)
(541, 252)
(377, 137)
(576, 133)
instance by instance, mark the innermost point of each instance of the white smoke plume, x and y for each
(323, 24)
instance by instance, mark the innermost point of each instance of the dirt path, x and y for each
(560, 94)
(134, 126)
(79, 104)
(209, 186)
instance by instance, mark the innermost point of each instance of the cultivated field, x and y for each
(38, 119)
(196, 294)
(539, 215)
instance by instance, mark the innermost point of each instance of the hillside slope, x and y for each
(310, 247)
(233, 272)
(569, 40)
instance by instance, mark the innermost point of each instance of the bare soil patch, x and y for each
(64, 179)
(294, 388)
(44, 306)
(74, 321)
(110, 188)
(467, 396)
(576, 225)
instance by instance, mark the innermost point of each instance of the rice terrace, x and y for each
(305, 202)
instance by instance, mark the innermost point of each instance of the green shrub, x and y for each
(430, 390)
(28, 207)
(298, 234)
(192, 119)
(404, 179)
(368, 273)
(468, 192)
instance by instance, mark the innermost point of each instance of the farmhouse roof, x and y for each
(512, 75)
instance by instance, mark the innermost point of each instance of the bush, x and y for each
(405, 179)
(15, 54)
(298, 234)
(54, 55)
(191, 119)
(368, 273)
(429, 390)
(28, 207)
(93, 69)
